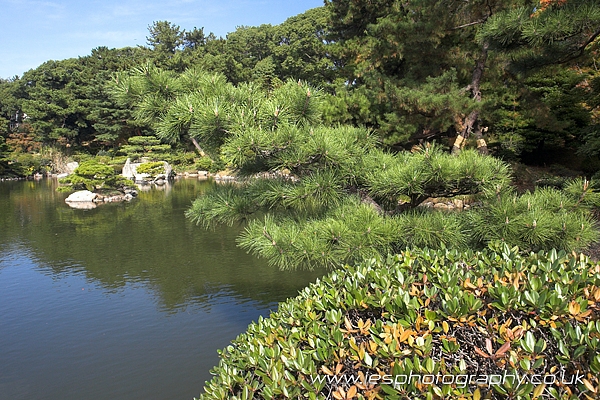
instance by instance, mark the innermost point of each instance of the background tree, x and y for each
(551, 51)
(245, 48)
(301, 48)
(56, 102)
(67, 103)
(415, 65)
(265, 54)
(165, 37)
(194, 38)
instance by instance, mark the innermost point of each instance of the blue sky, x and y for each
(34, 31)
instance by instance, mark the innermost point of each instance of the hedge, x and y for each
(428, 324)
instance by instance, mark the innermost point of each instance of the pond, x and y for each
(124, 301)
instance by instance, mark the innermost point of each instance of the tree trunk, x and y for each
(471, 123)
(197, 146)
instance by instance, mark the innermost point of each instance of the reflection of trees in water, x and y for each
(147, 241)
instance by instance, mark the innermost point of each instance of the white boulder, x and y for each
(82, 195)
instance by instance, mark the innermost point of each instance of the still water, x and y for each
(125, 301)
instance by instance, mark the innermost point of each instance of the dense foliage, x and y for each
(424, 68)
(427, 313)
(153, 169)
(92, 175)
(314, 195)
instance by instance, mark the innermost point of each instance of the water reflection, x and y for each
(146, 240)
(124, 301)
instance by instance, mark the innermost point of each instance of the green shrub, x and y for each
(145, 146)
(204, 164)
(151, 168)
(438, 315)
(93, 175)
(180, 160)
(26, 164)
(144, 140)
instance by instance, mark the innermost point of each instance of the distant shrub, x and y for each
(204, 164)
(145, 146)
(151, 168)
(93, 175)
(431, 314)
(26, 164)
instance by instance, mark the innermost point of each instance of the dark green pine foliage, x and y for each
(312, 195)
(165, 38)
(546, 111)
(537, 35)
(550, 52)
(4, 153)
(67, 103)
(56, 103)
(591, 135)
(10, 115)
(412, 69)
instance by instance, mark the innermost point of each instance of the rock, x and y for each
(159, 182)
(129, 170)
(440, 206)
(38, 176)
(458, 203)
(71, 167)
(63, 175)
(113, 199)
(202, 173)
(168, 170)
(128, 197)
(141, 177)
(82, 195)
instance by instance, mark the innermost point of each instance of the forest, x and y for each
(521, 75)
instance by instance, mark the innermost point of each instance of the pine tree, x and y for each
(416, 65)
(553, 32)
(550, 53)
(314, 195)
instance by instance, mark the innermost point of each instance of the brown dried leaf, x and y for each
(481, 353)
(502, 350)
